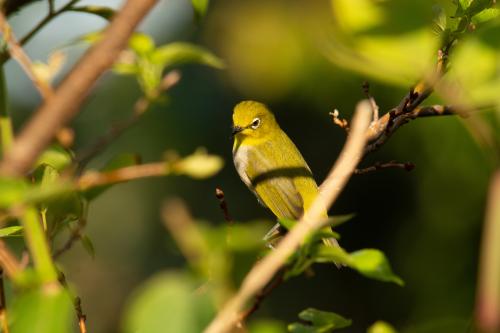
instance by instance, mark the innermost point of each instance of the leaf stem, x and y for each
(38, 246)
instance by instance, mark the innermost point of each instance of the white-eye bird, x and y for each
(270, 164)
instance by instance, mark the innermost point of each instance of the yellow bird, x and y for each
(270, 164)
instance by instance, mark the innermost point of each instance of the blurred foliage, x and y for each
(303, 56)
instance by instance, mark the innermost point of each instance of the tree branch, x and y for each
(260, 275)
(64, 105)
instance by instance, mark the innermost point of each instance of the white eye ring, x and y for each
(255, 123)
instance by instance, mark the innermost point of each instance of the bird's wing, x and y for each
(274, 185)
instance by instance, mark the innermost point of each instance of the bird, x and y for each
(271, 166)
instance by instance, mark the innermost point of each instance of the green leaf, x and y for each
(14, 230)
(104, 12)
(55, 156)
(141, 43)
(321, 322)
(242, 237)
(200, 7)
(198, 165)
(12, 191)
(47, 309)
(174, 54)
(266, 326)
(326, 254)
(374, 264)
(335, 221)
(381, 327)
(126, 68)
(168, 303)
(88, 245)
(287, 224)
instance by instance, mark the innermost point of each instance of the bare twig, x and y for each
(65, 103)
(408, 166)
(260, 275)
(219, 194)
(4, 323)
(77, 304)
(17, 52)
(340, 122)
(75, 235)
(373, 103)
(487, 312)
(93, 179)
(140, 107)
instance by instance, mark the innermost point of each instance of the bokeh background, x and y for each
(283, 53)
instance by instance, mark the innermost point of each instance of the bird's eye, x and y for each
(255, 123)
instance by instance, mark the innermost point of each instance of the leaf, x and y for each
(200, 7)
(12, 191)
(46, 309)
(168, 303)
(55, 156)
(88, 245)
(374, 264)
(326, 254)
(242, 237)
(102, 11)
(266, 326)
(381, 327)
(177, 53)
(198, 165)
(335, 221)
(11, 231)
(321, 322)
(141, 43)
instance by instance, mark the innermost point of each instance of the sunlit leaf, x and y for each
(102, 11)
(381, 327)
(87, 245)
(141, 43)
(357, 15)
(42, 310)
(320, 322)
(199, 165)
(374, 264)
(168, 303)
(14, 230)
(174, 54)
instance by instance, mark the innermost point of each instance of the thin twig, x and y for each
(17, 52)
(259, 298)
(4, 56)
(408, 166)
(263, 272)
(4, 323)
(93, 179)
(65, 103)
(373, 103)
(219, 194)
(140, 107)
(77, 304)
(340, 122)
(75, 235)
(8, 261)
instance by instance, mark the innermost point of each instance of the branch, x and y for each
(17, 52)
(11, 266)
(219, 194)
(65, 103)
(260, 275)
(77, 304)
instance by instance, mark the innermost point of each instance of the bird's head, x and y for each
(253, 119)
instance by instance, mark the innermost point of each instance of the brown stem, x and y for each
(64, 105)
(219, 194)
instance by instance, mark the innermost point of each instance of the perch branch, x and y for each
(64, 105)
(260, 275)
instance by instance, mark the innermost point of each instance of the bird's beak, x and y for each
(235, 130)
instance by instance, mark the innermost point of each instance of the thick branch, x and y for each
(61, 108)
(263, 271)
